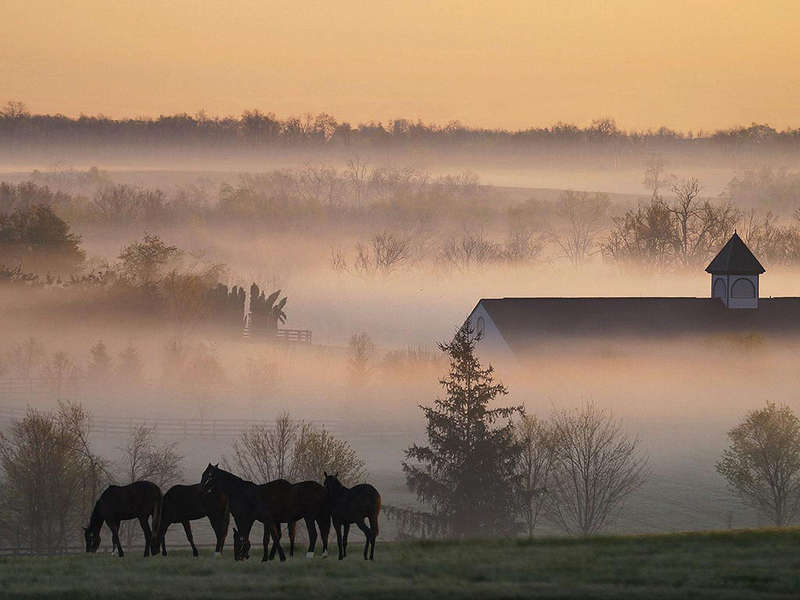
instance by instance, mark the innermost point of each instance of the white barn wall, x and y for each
(492, 346)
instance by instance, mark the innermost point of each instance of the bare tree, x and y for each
(762, 463)
(26, 357)
(700, 226)
(293, 450)
(385, 252)
(471, 248)
(75, 419)
(537, 442)
(318, 451)
(361, 352)
(357, 173)
(583, 215)
(596, 468)
(145, 458)
(59, 371)
(263, 453)
(389, 251)
(655, 177)
(686, 232)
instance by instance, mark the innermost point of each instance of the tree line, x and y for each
(257, 129)
(403, 218)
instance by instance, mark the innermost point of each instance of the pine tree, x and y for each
(100, 363)
(467, 472)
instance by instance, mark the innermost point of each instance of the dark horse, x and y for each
(185, 503)
(353, 505)
(139, 500)
(289, 503)
(247, 502)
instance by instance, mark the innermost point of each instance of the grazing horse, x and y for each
(353, 505)
(247, 503)
(139, 500)
(185, 503)
(289, 503)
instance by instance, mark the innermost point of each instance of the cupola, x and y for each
(734, 275)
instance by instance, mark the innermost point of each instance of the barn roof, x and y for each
(735, 258)
(524, 322)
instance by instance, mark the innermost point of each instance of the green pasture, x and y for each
(731, 564)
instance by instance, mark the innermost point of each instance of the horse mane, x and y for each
(232, 478)
(96, 519)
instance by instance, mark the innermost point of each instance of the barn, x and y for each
(515, 326)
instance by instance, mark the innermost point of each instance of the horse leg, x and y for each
(187, 527)
(337, 527)
(368, 533)
(373, 527)
(244, 534)
(163, 538)
(312, 537)
(147, 534)
(275, 545)
(291, 528)
(115, 538)
(344, 538)
(324, 524)
(275, 528)
(220, 527)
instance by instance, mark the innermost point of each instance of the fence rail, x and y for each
(294, 336)
(170, 427)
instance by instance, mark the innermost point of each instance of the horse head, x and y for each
(241, 546)
(209, 477)
(332, 483)
(92, 539)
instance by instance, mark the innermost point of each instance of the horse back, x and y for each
(357, 502)
(183, 503)
(128, 501)
(311, 498)
(279, 498)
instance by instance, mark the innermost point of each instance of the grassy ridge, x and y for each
(743, 564)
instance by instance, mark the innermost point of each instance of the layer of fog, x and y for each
(678, 396)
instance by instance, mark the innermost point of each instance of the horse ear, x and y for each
(216, 466)
(325, 473)
(336, 475)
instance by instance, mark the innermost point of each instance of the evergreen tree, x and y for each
(467, 473)
(100, 362)
(129, 367)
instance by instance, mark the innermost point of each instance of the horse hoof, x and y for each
(324, 554)
(217, 555)
(309, 555)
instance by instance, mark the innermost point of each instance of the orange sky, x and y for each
(513, 63)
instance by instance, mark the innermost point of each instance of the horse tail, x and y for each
(158, 503)
(377, 510)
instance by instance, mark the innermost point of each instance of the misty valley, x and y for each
(432, 331)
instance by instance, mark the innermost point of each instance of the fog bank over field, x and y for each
(381, 261)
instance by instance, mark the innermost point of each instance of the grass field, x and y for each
(743, 564)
